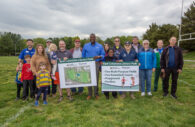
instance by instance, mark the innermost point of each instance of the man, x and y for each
(63, 54)
(158, 51)
(27, 51)
(77, 53)
(117, 47)
(48, 43)
(171, 64)
(136, 44)
(147, 60)
(95, 50)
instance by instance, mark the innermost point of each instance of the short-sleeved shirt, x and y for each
(91, 50)
(25, 52)
(63, 54)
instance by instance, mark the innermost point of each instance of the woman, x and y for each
(37, 58)
(106, 48)
(127, 55)
(147, 59)
(110, 58)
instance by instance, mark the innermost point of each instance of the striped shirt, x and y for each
(44, 79)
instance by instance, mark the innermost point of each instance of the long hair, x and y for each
(43, 52)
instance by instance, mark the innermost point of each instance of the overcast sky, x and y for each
(105, 18)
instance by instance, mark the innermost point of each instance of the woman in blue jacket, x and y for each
(127, 55)
(147, 59)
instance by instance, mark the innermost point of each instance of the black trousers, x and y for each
(114, 94)
(34, 86)
(26, 85)
(174, 75)
(19, 86)
(53, 89)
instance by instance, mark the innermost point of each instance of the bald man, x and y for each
(64, 54)
(171, 64)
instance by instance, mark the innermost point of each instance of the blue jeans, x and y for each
(74, 90)
(145, 75)
(43, 90)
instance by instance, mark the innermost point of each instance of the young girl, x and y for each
(53, 56)
(18, 79)
(43, 80)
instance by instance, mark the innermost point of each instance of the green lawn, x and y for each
(146, 111)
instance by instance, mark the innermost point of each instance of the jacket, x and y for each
(158, 56)
(118, 51)
(147, 58)
(26, 72)
(178, 58)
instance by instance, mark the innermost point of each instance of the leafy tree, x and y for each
(188, 26)
(160, 32)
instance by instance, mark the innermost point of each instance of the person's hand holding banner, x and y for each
(96, 57)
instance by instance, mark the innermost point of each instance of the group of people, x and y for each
(37, 68)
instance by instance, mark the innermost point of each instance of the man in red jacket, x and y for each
(27, 78)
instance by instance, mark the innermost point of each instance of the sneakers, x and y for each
(97, 97)
(70, 98)
(165, 94)
(45, 102)
(142, 94)
(149, 94)
(36, 103)
(17, 98)
(107, 97)
(60, 99)
(88, 97)
(132, 96)
(174, 96)
(123, 95)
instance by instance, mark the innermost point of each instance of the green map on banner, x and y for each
(78, 75)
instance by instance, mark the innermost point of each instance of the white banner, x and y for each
(77, 73)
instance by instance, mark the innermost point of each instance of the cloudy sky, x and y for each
(106, 18)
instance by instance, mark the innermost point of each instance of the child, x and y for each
(27, 78)
(18, 79)
(110, 58)
(43, 80)
(53, 57)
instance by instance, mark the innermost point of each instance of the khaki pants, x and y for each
(90, 90)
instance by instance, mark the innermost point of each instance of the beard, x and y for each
(30, 46)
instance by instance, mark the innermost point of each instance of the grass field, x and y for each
(154, 111)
